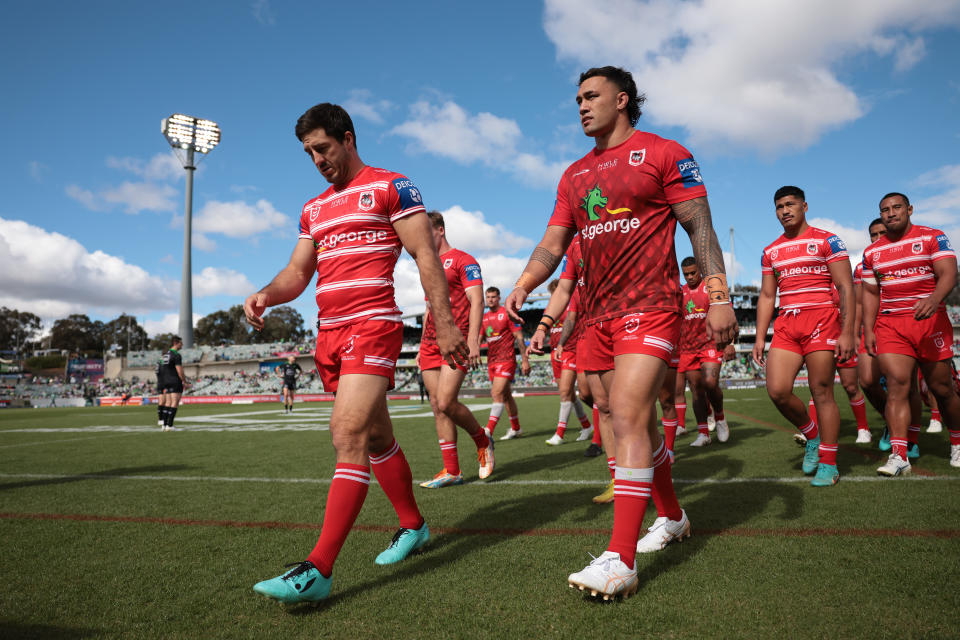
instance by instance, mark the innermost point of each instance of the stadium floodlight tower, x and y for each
(188, 135)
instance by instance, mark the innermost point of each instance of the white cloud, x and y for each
(469, 231)
(753, 74)
(942, 209)
(238, 219)
(449, 131)
(856, 239)
(168, 323)
(213, 281)
(51, 275)
(37, 170)
(84, 197)
(201, 241)
(161, 167)
(134, 197)
(263, 12)
(361, 103)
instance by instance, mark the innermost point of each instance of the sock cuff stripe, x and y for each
(631, 493)
(363, 477)
(625, 474)
(391, 451)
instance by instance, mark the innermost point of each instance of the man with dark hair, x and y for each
(170, 383)
(501, 334)
(462, 272)
(351, 236)
(289, 372)
(805, 264)
(868, 369)
(625, 198)
(907, 273)
(700, 359)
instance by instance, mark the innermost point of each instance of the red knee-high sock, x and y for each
(344, 500)
(935, 414)
(515, 422)
(810, 430)
(669, 433)
(812, 410)
(631, 491)
(719, 416)
(682, 415)
(597, 439)
(860, 413)
(704, 429)
(899, 447)
(612, 466)
(480, 439)
(913, 434)
(664, 497)
(828, 454)
(451, 461)
(393, 474)
(954, 437)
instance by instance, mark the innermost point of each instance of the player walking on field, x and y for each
(170, 383)
(804, 264)
(906, 275)
(625, 198)
(289, 372)
(351, 236)
(700, 360)
(462, 272)
(501, 334)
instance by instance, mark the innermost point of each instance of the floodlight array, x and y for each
(186, 132)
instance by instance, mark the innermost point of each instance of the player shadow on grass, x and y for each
(477, 531)
(544, 461)
(95, 475)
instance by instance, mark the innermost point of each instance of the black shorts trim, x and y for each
(290, 385)
(171, 387)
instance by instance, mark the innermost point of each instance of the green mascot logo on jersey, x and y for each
(690, 306)
(594, 199)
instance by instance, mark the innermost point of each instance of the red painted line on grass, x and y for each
(866, 453)
(745, 532)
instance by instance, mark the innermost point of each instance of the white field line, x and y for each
(46, 442)
(538, 483)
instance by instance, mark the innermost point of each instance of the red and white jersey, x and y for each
(462, 272)
(351, 226)
(800, 267)
(904, 269)
(557, 327)
(497, 329)
(858, 274)
(693, 329)
(620, 200)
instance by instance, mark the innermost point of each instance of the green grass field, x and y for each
(113, 529)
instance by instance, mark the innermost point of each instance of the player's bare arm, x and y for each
(559, 300)
(524, 358)
(475, 296)
(183, 377)
(568, 326)
(765, 302)
(843, 281)
(543, 262)
(694, 216)
(858, 314)
(415, 235)
(945, 271)
(286, 286)
(870, 306)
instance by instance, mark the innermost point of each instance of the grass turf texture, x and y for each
(135, 533)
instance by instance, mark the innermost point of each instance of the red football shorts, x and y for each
(849, 364)
(368, 346)
(652, 333)
(692, 361)
(430, 357)
(929, 340)
(506, 369)
(807, 330)
(568, 361)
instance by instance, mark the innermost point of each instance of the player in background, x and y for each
(868, 369)
(700, 359)
(564, 338)
(501, 334)
(170, 383)
(805, 263)
(906, 275)
(462, 272)
(289, 372)
(625, 198)
(351, 236)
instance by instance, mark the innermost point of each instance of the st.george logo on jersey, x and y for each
(637, 156)
(366, 200)
(812, 248)
(448, 263)
(917, 247)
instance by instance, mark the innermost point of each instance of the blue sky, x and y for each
(475, 103)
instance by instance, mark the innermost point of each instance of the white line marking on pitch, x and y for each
(324, 481)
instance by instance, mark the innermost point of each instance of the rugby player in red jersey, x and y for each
(700, 359)
(465, 283)
(564, 336)
(906, 275)
(804, 264)
(501, 334)
(351, 236)
(625, 198)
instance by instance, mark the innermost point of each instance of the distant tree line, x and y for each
(20, 331)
